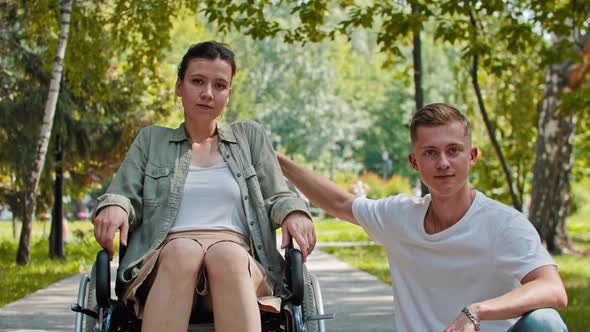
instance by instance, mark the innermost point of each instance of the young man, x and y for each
(459, 260)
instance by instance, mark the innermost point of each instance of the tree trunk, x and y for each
(418, 88)
(515, 201)
(417, 57)
(56, 245)
(14, 226)
(13, 208)
(23, 253)
(550, 195)
(553, 163)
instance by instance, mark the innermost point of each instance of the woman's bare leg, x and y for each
(170, 299)
(235, 306)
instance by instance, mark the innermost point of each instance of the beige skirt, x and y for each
(136, 293)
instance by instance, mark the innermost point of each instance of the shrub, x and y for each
(378, 188)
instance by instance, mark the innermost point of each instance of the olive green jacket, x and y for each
(150, 182)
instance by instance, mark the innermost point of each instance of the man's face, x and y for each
(443, 155)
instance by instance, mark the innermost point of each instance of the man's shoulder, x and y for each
(497, 211)
(493, 205)
(396, 201)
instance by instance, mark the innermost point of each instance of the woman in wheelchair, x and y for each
(198, 206)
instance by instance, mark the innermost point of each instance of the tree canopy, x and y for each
(331, 80)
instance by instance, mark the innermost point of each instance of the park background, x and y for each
(334, 82)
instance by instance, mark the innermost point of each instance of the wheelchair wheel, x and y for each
(86, 299)
(310, 307)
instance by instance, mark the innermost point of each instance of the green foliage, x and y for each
(103, 97)
(389, 132)
(140, 31)
(249, 17)
(376, 185)
(579, 102)
(397, 184)
(344, 179)
(512, 90)
(379, 188)
(21, 97)
(580, 195)
(301, 95)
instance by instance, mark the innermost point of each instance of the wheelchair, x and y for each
(303, 311)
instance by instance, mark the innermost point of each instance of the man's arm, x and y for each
(321, 191)
(541, 288)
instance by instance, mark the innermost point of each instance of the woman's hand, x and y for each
(106, 223)
(298, 225)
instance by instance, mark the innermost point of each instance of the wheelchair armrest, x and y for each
(295, 279)
(103, 279)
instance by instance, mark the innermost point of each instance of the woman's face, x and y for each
(205, 89)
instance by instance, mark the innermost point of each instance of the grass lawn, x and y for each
(574, 270)
(17, 281)
(333, 230)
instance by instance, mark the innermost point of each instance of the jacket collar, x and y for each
(224, 131)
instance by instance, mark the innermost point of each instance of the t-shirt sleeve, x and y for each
(369, 214)
(519, 249)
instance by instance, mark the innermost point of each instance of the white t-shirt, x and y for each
(211, 200)
(482, 256)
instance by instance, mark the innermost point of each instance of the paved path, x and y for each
(359, 300)
(45, 310)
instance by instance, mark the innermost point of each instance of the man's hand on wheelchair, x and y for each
(106, 223)
(298, 225)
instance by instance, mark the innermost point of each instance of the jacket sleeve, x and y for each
(279, 201)
(126, 188)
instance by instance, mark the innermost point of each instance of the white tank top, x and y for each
(211, 200)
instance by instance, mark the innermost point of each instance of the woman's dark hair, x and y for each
(209, 50)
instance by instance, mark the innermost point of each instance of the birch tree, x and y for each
(23, 253)
(550, 196)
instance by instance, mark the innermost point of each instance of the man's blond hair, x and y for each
(435, 115)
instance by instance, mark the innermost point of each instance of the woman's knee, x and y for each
(545, 319)
(181, 257)
(226, 260)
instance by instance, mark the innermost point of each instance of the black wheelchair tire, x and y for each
(309, 305)
(89, 322)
